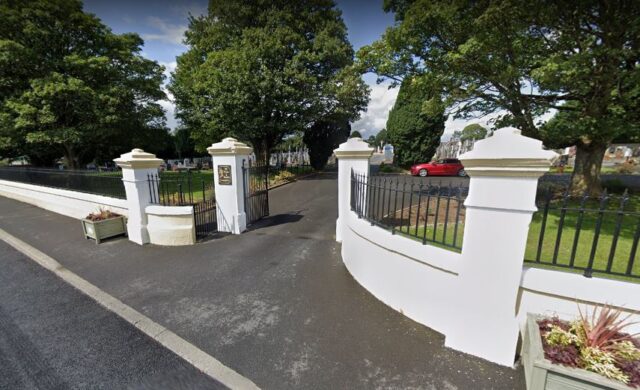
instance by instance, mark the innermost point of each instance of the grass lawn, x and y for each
(586, 241)
(584, 244)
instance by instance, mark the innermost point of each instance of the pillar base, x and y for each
(137, 233)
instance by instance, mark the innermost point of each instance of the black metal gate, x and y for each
(256, 191)
(204, 214)
(187, 190)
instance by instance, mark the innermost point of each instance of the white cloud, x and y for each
(375, 117)
(166, 32)
(168, 68)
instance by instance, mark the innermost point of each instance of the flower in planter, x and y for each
(595, 343)
(101, 215)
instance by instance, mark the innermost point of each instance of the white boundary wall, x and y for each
(478, 298)
(422, 282)
(552, 292)
(70, 203)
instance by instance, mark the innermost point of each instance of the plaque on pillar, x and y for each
(224, 175)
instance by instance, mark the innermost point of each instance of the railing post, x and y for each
(137, 166)
(228, 157)
(504, 171)
(352, 155)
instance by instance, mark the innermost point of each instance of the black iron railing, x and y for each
(430, 213)
(180, 190)
(592, 235)
(92, 182)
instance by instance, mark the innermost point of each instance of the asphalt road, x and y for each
(54, 337)
(275, 304)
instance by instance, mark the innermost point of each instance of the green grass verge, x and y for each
(584, 244)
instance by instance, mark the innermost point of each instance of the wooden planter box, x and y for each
(99, 230)
(541, 373)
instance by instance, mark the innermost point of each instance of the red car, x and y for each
(445, 167)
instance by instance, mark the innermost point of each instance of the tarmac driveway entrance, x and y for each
(275, 304)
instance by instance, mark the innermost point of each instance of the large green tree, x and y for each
(262, 69)
(473, 131)
(323, 137)
(524, 58)
(413, 132)
(70, 87)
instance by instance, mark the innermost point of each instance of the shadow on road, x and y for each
(279, 219)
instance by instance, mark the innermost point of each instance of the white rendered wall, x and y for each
(422, 281)
(171, 225)
(417, 280)
(70, 203)
(551, 292)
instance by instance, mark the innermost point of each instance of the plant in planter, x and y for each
(571, 353)
(103, 224)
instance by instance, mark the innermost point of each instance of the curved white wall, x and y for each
(70, 203)
(171, 225)
(422, 282)
(417, 280)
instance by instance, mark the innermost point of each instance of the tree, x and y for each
(262, 69)
(474, 132)
(355, 134)
(183, 143)
(371, 140)
(414, 133)
(524, 59)
(71, 87)
(381, 138)
(323, 137)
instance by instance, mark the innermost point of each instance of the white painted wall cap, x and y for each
(229, 146)
(508, 143)
(354, 147)
(138, 158)
(169, 210)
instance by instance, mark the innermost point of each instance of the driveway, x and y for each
(276, 304)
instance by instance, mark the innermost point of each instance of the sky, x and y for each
(161, 23)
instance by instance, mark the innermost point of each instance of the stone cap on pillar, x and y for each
(354, 148)
(229, 146)
(138, 159)
(508, 153)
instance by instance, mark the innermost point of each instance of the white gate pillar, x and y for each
(504, 171)
(136, 166)
(352, 155)
(228, 157)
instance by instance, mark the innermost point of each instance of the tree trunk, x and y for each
(262, 152)
(586, 173)
(71, 157)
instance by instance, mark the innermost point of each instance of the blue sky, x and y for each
(161, 23)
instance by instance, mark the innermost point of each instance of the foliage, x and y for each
(355, 134)
(473, 131)
(262, 69)
(382, 138)
(414, 133)
(72, 87)
(524, 59)
(390, 168)
(595, 343)
(183, 143)
(603, 329)
(323, 137)
(101, 215)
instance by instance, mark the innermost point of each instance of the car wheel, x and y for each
(423, 173)
(462, 173)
